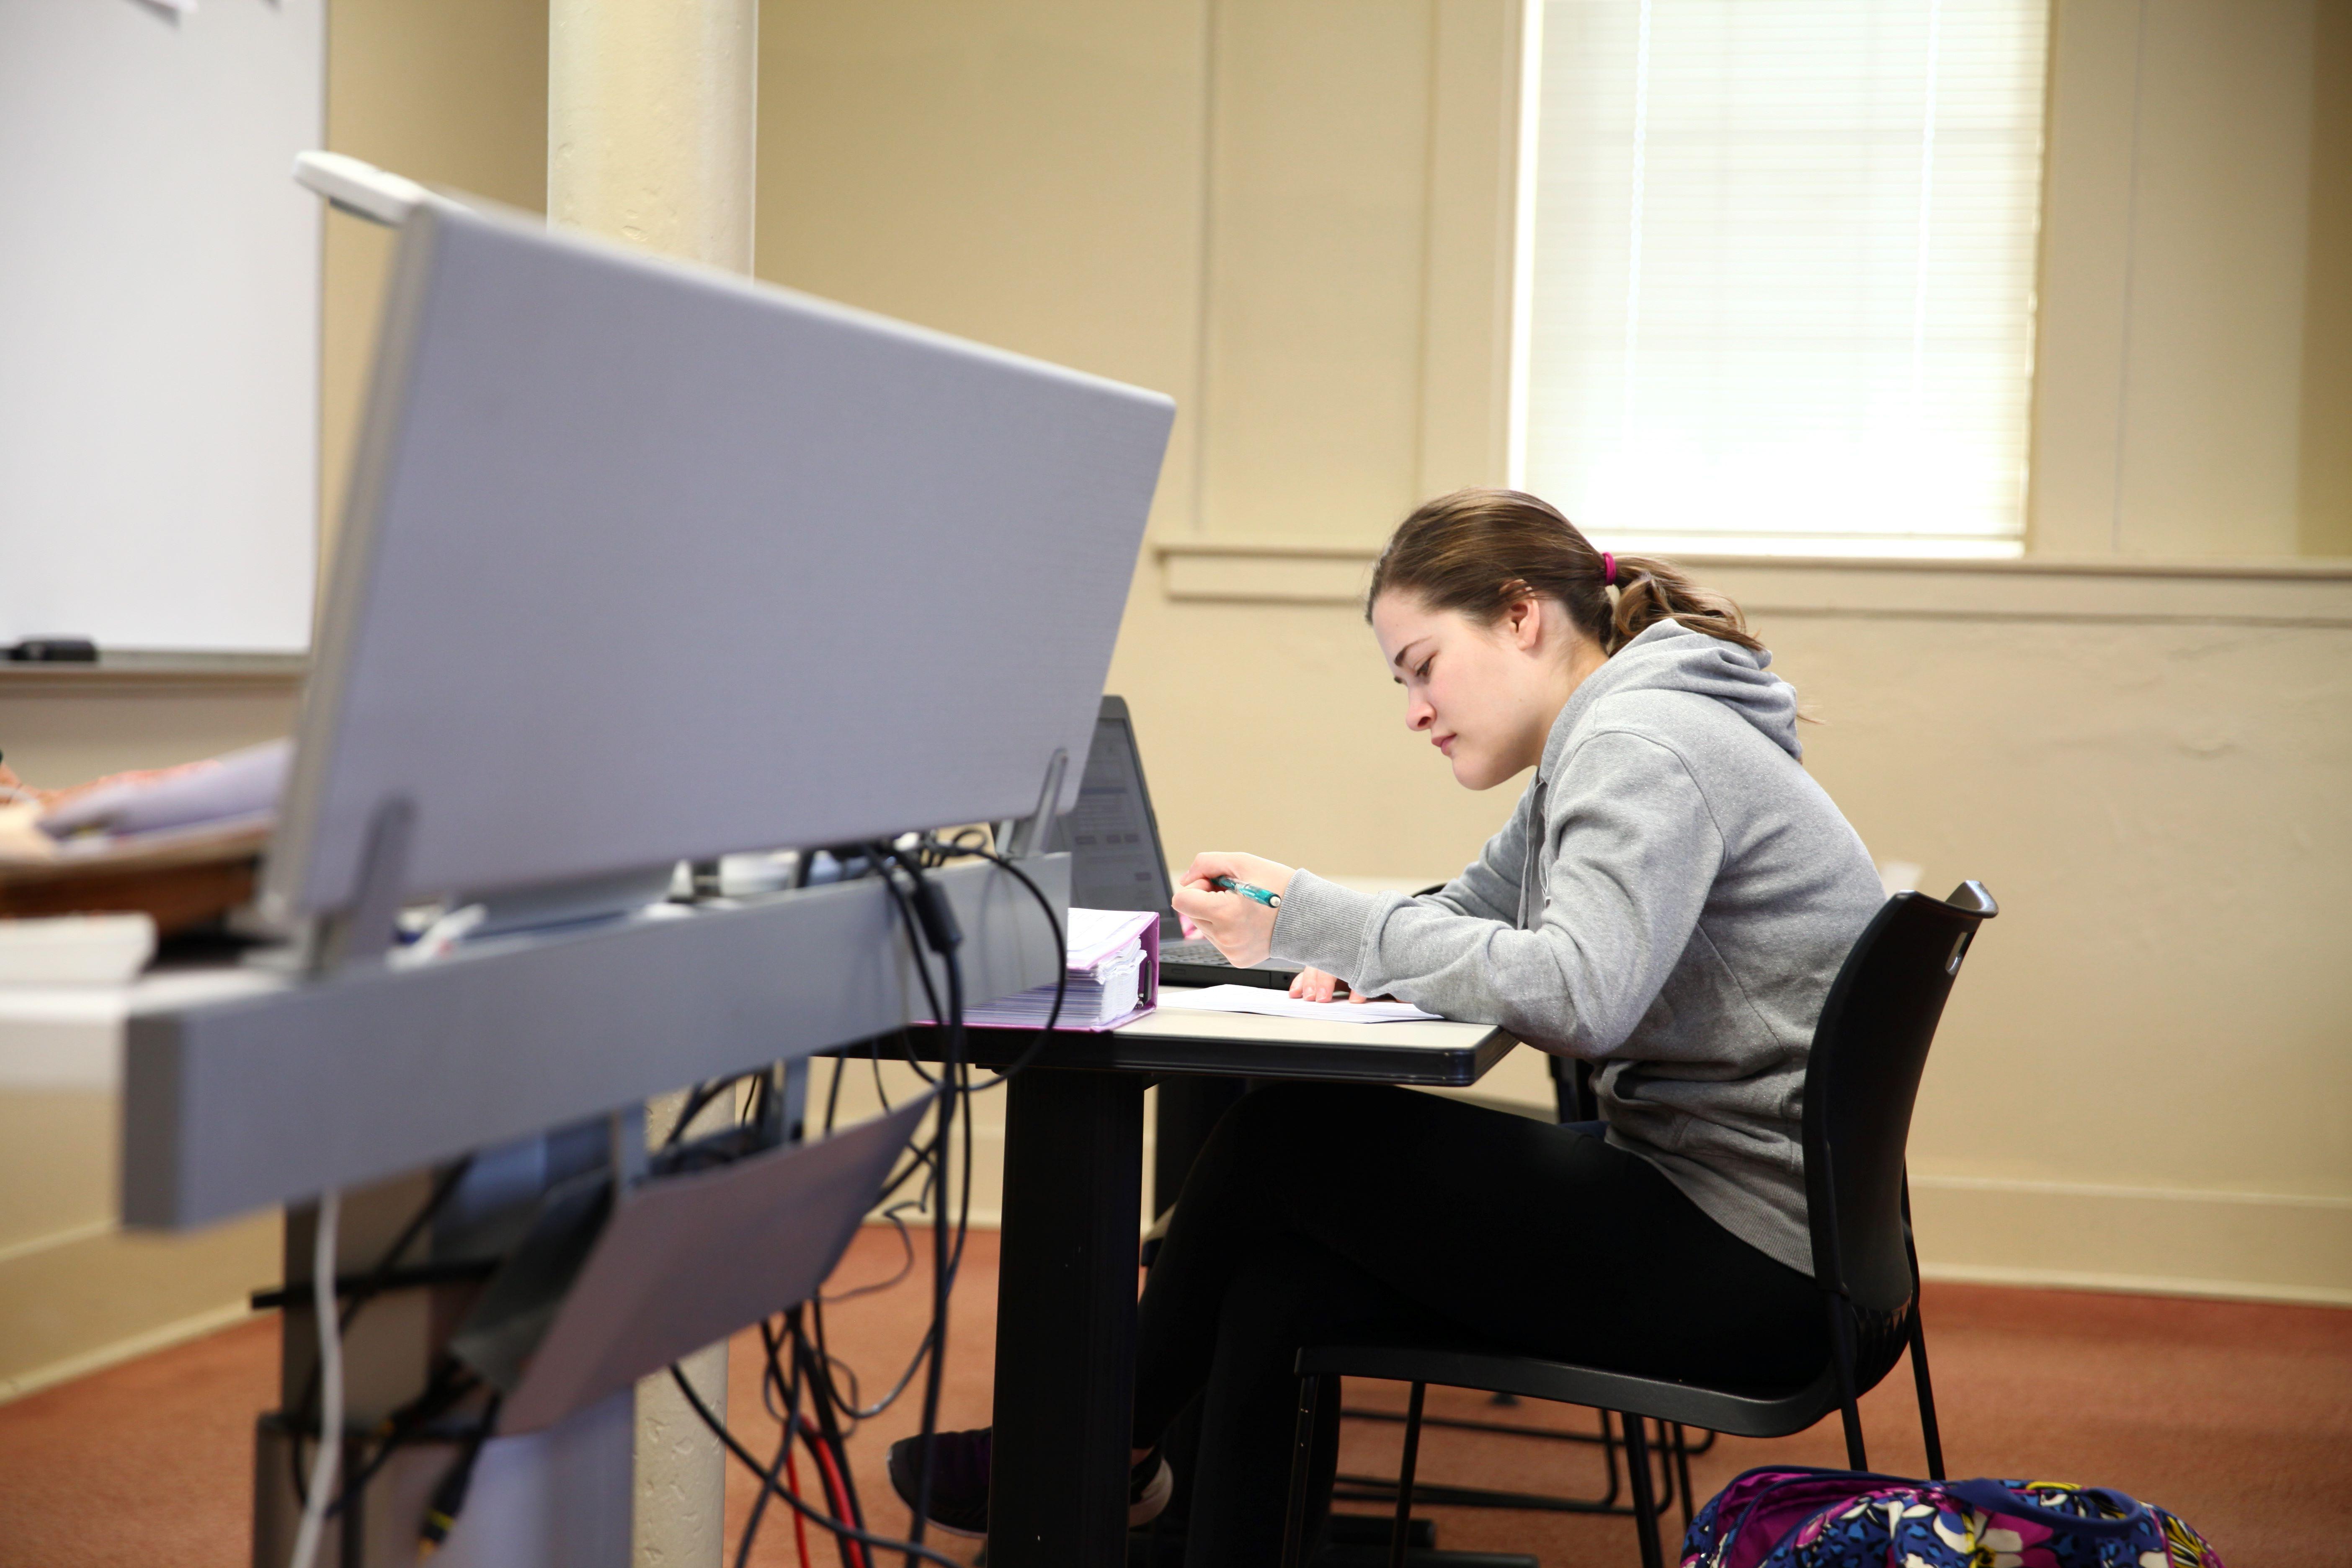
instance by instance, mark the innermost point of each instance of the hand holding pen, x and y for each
(1234, 899)
(1248, 890)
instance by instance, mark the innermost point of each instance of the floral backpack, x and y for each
(1790, 1516)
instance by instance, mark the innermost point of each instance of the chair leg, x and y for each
(1849, 1407)
(1311, 1393)
(1645, 1502)
(1928, 1428)
(1682, 1470)
(1609, 1459)
(1404, 1477)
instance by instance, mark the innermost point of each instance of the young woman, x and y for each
(1670, 900)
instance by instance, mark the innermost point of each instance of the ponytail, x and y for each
(1650, 590)
(1476, 551)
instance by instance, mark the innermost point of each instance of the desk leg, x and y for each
(1066, 1319)
(1190, 1107)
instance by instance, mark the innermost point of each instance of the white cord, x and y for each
(331, 1383)
(440, 938)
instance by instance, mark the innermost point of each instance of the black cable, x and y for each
(940, 932)
(927, 922)
(926, 910)
(829, 1424)
(917, 1159)
(751, 1462)
(1061, 972)
(924, 1158)
(700, 1097)
(906, 1244)
(907, 921)
(449, 1496)
(449, 1382)
(832, 1093)
(791, 1421)
(374, 1286)
(874, 1055)
(964, 1213)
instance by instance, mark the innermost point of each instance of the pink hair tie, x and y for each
(1607, 569)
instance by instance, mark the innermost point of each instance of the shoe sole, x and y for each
(1140, 1510)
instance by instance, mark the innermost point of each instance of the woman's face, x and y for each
(1485, 695)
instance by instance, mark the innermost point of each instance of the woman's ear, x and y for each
(1523, 621)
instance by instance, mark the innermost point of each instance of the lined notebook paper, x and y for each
(1279, 1004)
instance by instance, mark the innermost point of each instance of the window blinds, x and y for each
(1783, 262)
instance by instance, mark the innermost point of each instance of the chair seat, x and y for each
(1743, 1412)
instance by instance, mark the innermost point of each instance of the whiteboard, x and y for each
(159, 323)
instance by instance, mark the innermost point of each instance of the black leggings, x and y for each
(1317, 1213)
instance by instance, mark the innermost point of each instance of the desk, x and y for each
(1067, 1287)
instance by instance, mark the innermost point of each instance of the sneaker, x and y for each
(958, 1480)
(960, 1467)
(1148, 1487)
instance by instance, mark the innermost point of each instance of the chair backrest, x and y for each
(1860, 1080)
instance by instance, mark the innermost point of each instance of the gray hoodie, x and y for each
(1672, 898)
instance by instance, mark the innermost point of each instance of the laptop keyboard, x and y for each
(1198, 952)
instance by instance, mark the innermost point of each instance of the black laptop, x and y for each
(1117, 861)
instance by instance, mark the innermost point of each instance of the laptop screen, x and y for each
(1116, 862)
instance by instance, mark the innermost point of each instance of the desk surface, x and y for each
(70, 1037)
(1176, 1038)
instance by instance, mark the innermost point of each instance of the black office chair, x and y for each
(1860, 1080)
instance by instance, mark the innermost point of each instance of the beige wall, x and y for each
(450, 92)
(446, 91)
(74, 1292)
(2195, 356)
(2326, 500)
(1277, 217)
(1294, 216)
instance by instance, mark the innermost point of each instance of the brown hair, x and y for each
(1475, 551)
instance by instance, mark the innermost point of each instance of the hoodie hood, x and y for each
(1669, 656)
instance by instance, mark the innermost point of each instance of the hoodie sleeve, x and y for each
(1487, 888)
(1630, 851)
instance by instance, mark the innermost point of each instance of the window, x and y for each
(1780, 288)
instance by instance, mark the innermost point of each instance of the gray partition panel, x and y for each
(644, 562)
(262, 1099)
(687, 1260)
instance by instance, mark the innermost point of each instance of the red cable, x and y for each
(853, 1552)
(800, 1524)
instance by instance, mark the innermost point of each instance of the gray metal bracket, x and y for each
(364, 932)
(1025, 836)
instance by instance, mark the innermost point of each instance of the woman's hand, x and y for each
(1242, 927)
(1314, 985)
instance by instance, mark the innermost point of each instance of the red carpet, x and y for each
(2238, 1417)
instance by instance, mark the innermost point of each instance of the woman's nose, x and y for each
(1418, 714)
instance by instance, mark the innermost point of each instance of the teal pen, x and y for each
(1271, 901)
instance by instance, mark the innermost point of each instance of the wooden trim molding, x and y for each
(163, 668)
(2292, 593)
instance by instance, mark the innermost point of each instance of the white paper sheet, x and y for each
(1092, 935)
(1281, 1004)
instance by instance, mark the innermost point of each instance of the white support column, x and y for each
(652, 114)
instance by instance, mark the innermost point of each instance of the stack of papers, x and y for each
(1110, 976)
(1280, 1005)
(75, 950)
